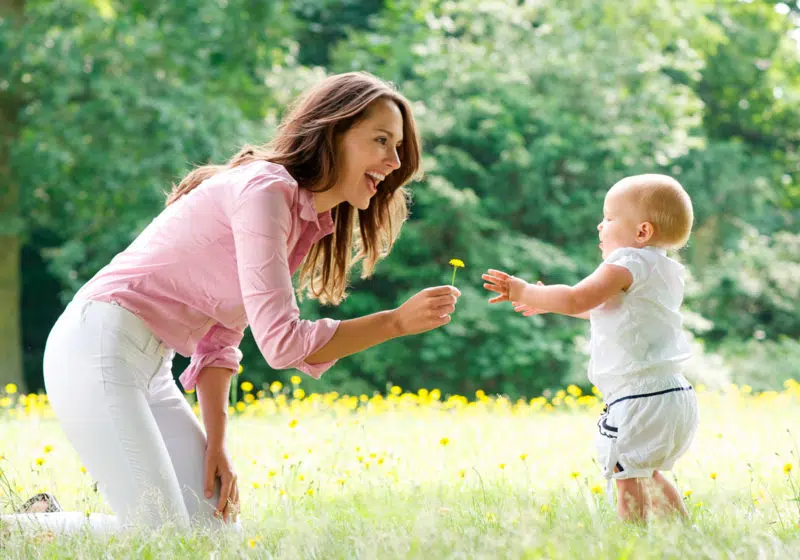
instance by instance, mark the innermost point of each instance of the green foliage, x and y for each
(529, 111)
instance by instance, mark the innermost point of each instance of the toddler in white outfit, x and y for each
(633, 302)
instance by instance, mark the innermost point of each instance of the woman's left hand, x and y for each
(218, 464)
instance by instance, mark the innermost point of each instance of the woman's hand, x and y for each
(218, 465)
(426, 310)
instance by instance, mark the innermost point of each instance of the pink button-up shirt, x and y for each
(219, 258)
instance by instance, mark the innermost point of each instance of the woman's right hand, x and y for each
(426, 310)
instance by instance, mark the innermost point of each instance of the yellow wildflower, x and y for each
(293, 423)
(575, 474)
(11, 389)
(295, 380)
(246, 386)
(713, 476)
(275, 386)
(39, 461)
(596, 489)
(687, 494)
(787, 468)
(299, 394)
(48, 448)
(444, 441)
(456, 264)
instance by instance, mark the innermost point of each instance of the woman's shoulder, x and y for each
(262, 174)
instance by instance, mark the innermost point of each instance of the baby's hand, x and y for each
(509, 287)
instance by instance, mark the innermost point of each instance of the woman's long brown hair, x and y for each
(306, 146)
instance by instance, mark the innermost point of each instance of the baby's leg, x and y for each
(665, 498)
(632, 499)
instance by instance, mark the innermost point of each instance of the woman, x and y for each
(220, 257)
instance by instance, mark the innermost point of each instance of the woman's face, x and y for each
(368, 152)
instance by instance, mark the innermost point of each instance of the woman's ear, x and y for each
(645, 232)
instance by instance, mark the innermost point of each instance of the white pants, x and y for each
(109, 381)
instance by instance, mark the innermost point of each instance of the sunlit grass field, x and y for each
(418, 475)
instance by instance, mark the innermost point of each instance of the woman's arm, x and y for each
(424, 311)
(213, 388)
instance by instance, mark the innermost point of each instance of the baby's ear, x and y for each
(645, 232)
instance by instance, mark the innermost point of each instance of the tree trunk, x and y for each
(10, 231)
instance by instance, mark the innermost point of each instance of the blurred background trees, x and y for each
(529, 111)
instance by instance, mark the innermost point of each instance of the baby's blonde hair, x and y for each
(662, 201)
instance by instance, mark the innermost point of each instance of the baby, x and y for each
(632, 301)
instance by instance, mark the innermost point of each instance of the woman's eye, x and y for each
(382, 140)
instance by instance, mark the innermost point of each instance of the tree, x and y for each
(10, 219)
(114, 102)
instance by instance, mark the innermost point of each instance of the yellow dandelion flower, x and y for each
(545, 508)
(380, 461)
(271, 474)
(11, 389)
(241, 369)
(301, 478)
(293, 423)
(396, 390)
(787, 468)
(444, 441)
(299, 394)
(574, 474)
(281, 492)
(275, 386)
(523, 456)
(83, 470)
(456, 264)
(596, 489)
(295, 379)
(462, 473)
(48, 448)
(252, 543)
(39, 461)
(240, 406)
(256, 485)
(310, 491)
(490, 517)
(687, 494)
(340, 481)
(713, 476)
(246, 386)
(249, 398)
(285, 456)
(502, 466)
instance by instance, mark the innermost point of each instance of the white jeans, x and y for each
(109, 381)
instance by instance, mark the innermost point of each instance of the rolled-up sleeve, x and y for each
(218, 348)
(261, 222)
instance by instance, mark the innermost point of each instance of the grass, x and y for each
(410, 476)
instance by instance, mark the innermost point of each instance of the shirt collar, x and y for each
(657, 250)
(308, 211)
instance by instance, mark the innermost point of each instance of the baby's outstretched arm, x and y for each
(605, 282)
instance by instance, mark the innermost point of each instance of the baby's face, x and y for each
(620, 222)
